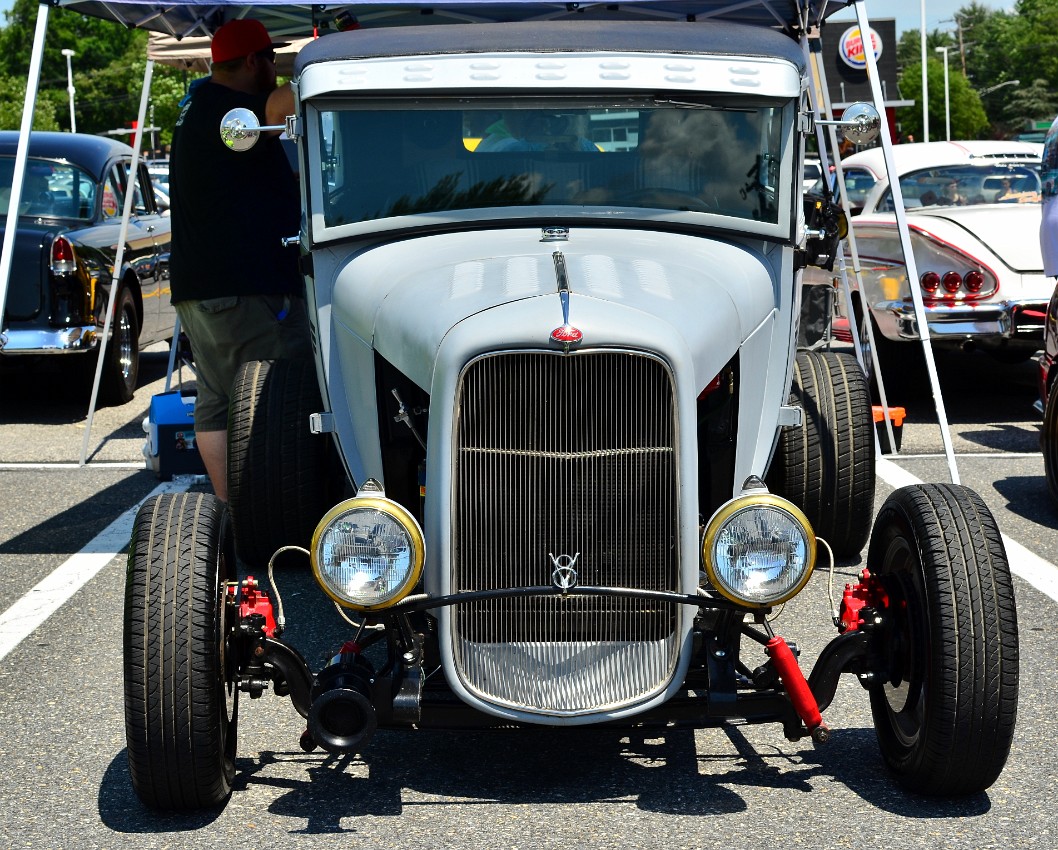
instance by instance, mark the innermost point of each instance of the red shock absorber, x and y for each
(793, 680)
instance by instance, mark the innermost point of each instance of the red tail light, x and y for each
(951, 282)
(63, 259)
(973, 281)
(930, 282)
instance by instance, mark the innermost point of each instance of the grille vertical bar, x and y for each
(568, 458)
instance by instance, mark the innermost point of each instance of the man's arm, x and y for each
(280, 104)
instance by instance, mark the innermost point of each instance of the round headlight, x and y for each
(759, 550)
(367, 553)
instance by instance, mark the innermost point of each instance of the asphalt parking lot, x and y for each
(65, 779)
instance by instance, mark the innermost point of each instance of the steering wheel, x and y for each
(663, 198)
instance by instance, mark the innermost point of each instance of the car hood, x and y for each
(1010, 231)
(404, 298)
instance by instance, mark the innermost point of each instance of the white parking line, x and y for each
(1040, 573)
(20, 620)
(105, 464)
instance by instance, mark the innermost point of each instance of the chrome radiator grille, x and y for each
(565, 460)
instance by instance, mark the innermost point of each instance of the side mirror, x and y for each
(240, 129)
(860, 123)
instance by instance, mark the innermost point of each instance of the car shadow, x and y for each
(1027, 497)
(52, 391)
(664, 772)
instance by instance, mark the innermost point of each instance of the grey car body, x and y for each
(553, 271)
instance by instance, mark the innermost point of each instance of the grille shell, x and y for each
(565, 459)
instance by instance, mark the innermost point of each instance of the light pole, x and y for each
(925, 80)
(947, 103)
(69, 54)
(991, 89)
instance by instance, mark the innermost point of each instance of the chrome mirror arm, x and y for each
(240, 128)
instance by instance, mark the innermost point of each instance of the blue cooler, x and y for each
(170, 448)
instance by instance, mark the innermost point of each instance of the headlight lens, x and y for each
(367, 553)
(759, 550)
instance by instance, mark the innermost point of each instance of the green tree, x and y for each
(968, 118)
(12, 102)
(108, 75)
(97, 42)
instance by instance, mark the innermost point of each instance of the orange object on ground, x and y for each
(896, 414)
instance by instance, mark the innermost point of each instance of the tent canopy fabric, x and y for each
(192, 53)
(187, 18)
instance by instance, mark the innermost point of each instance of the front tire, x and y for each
(181, 699)
(827, 466)
(945, 715)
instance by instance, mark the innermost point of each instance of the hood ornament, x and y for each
(566, 334)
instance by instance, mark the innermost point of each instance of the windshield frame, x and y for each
(604, 211)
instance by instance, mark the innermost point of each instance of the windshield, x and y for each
(49, 189)
(963, 185)
(429, 157)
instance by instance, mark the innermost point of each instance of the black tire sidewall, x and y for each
(175, 653)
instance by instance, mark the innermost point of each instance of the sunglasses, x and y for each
(268, 54)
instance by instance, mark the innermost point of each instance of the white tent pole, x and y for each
(905, 240)
(119, 257)
(21, 155)
(826, 110)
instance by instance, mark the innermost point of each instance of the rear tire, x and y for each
(181, 700)
(278, 471)
(121, 368)
(945, 716)
(826, 467)
(903, 364)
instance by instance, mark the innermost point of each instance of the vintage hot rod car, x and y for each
(64, 252)
(585, 461)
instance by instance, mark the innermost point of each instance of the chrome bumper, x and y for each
(1021, 320)
(58, 341)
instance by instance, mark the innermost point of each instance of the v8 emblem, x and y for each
(564, 575)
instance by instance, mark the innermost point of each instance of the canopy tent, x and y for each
(180, 19)
(192, 53)
(183, 18)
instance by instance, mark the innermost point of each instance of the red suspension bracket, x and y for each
(253, 600)
(869, 593)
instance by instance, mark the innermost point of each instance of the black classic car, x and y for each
(62, 274)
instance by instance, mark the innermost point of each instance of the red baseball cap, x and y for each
(241, 37)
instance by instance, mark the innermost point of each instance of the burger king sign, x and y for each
(850, 47)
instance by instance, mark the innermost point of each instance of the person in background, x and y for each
(1049, 223)
(235, 286)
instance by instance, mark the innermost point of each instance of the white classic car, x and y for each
(973, 209)
(585, 464)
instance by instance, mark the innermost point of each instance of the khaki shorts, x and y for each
(227, 332)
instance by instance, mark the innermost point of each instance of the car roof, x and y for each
(554, 37)
(912, 157)
(90, 152)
